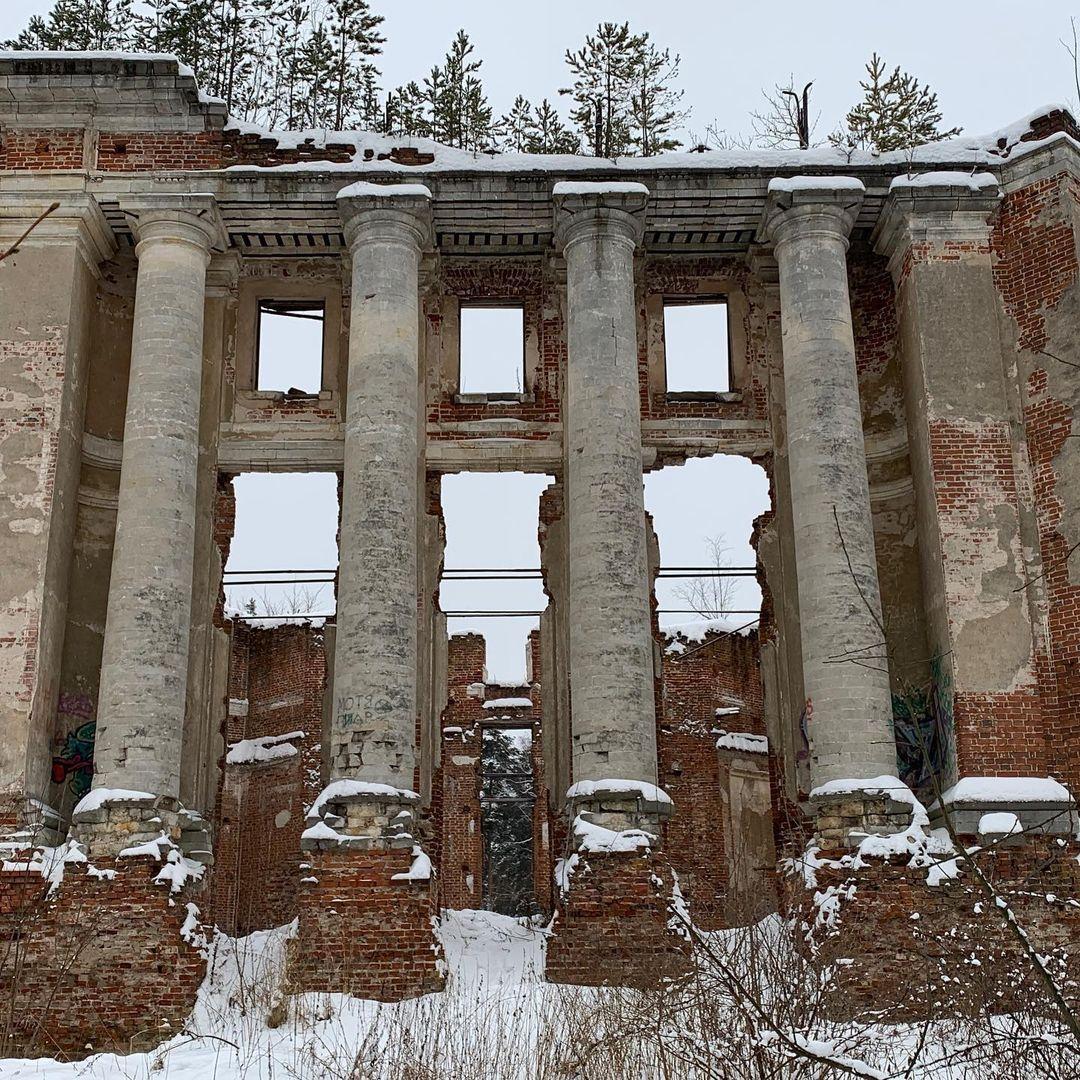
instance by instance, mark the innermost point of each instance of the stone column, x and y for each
(145, 655)
(849, 705)
(985, 625)
(598, 226)
(375, 668)
(369, 894)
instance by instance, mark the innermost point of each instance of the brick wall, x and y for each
(277, 679)
(361, 932)
(41, 148)
(459, 850)
(100, 965)
(143, 151)
(719, 672)
(611, 926)
(681, 278)
(907, 945)
(516, 280)
(1036, 270)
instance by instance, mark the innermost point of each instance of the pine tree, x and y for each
(432, 119)
(315, 68)
(406, 112)
(79, 24)
(354, 30)
(462, 116)
(371, 113)
(896, 112)
(517, 125)
(177, 27)
(539, 130)
(507, 794)
(549, 135)
(605, 70)
(654, 103)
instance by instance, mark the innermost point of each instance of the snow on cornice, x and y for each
(963, 150)
(372, 154)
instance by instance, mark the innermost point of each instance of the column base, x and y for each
(108, 822)
(982, 806)
(98, 956)
(619, 916)
(367, 906)
(848, 811)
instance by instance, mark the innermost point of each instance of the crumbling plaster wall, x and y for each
(44, 358)
(72, 734)
(1037, 271)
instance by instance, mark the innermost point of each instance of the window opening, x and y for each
(507, 798)
(707, 578)
(284, 551)
(289, 347)
(491, 349)
(697, 354)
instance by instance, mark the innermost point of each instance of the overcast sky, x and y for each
(990, 62)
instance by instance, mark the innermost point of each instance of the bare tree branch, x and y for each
(33, 225)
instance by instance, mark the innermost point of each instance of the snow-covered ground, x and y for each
(498, 1020)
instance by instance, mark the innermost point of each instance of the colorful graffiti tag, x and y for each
(73, 762)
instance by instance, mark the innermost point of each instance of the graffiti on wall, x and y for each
(923, 721)
(73, 761)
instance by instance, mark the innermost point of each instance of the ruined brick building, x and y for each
(903, 364)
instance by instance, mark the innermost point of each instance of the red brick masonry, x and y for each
(363, 933)
(101, 965)
(611, 926)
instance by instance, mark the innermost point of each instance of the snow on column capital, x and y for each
(584, 208)
(386, 212)
(610, 639)
(805, 207)
(373, 727)
(849, 704)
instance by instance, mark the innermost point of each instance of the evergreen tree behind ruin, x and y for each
(300, 64)
(896, 112)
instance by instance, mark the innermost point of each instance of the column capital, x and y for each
(400, 212)
(587, 209)
(168, 217)
(808, 206)
(935, 208)
(78, 218)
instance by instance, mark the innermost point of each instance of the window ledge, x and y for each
(502, 398)
(719, 397)
(284, 395)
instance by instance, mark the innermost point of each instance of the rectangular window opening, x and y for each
(289, 348)
(492, 349)
(696, 346)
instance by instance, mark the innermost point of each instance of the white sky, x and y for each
(990, 63)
